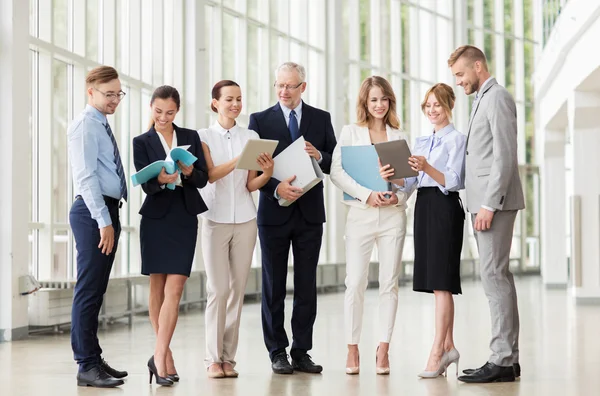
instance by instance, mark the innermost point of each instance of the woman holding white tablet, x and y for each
(228, 227)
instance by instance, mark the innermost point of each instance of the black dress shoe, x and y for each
(173, 377)
(490, 373)
(516, 366)
(98, 378)
(111, 371)
(305, 364)
(281, 365)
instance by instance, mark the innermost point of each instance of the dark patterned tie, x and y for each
(120, 171)
(294, 126)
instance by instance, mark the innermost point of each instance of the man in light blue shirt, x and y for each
(100, 184)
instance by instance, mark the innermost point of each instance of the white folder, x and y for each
(295, 161)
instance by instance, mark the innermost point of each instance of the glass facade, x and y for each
(193, 44)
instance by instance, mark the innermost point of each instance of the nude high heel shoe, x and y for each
(353, 370)
(453, 357)
(441, 368)
(381, 370)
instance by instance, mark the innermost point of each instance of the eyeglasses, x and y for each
(282, 87)
(112, 96)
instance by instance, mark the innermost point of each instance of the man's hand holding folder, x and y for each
(288, 192)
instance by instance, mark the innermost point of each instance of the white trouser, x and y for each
(365, 227)
(227, 250)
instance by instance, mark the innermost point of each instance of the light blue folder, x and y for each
(170, 165)
(360, 163)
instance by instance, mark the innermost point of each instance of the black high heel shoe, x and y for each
(173, 377)
(164, 381)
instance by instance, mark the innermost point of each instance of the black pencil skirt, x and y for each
(168, 244)
(438, 237)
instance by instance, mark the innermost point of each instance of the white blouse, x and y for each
(228, 199)
(168, 150)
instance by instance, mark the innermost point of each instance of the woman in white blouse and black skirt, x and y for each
(439, 219)
(229, 226)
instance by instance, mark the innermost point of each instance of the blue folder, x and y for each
(360, 163)
(170, 165)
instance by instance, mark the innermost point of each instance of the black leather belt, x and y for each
(108, 200)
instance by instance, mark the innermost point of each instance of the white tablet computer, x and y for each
(252, 150)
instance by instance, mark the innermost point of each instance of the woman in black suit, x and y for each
(169, 225)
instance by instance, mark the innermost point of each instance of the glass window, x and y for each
(233, 4)
(509, 65)
(528, 70)
(470, 12)
(490, 50)
(229, 61)
(298, 19)
(528, 19)
(91, 29)
(508, 17)
(61, 25)
(365, 30)
(258, 9)
(60, 121)
(488, 14)
(252, 91)
(147, 43)
(405, 18)
(406, 105)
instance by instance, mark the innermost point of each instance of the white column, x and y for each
(14, 85)
(554, 201)
(583, 108)
(336, 213)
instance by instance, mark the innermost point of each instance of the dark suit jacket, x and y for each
(147, 148)
(316, 128)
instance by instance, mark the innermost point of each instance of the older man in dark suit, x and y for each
(299, 224)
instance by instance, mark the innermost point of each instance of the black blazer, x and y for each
(147, 148)
(316, 128)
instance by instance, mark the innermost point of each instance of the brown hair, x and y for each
(362, 111)
(164, 92)
(445, 97)
(216, 91)
(471, 53)
(101, 75)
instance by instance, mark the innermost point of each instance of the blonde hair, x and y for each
(101, 75)
(444, 95)
(471, 53)
(363, 117)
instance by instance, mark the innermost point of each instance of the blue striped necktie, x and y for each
(120, 171)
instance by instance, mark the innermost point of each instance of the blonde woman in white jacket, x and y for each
(372, 218)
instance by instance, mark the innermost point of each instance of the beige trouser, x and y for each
(227, 250)
(365, 227)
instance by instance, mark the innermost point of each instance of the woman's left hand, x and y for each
(418, 163)
(186, 170)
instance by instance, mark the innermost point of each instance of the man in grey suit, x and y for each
(494, 195)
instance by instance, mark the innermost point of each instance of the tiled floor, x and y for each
(560, 352)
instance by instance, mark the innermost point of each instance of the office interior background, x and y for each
(542, 51)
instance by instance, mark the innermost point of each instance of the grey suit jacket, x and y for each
(492, 173)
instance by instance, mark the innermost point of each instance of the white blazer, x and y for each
(354, 135)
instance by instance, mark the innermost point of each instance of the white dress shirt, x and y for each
(168, 150)
(228, 199)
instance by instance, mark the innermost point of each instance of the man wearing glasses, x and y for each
(300, 224)
(99, 184)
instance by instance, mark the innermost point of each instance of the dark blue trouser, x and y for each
(93, 271)
(275, 241)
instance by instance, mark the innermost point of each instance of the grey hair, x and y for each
(289, 66)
